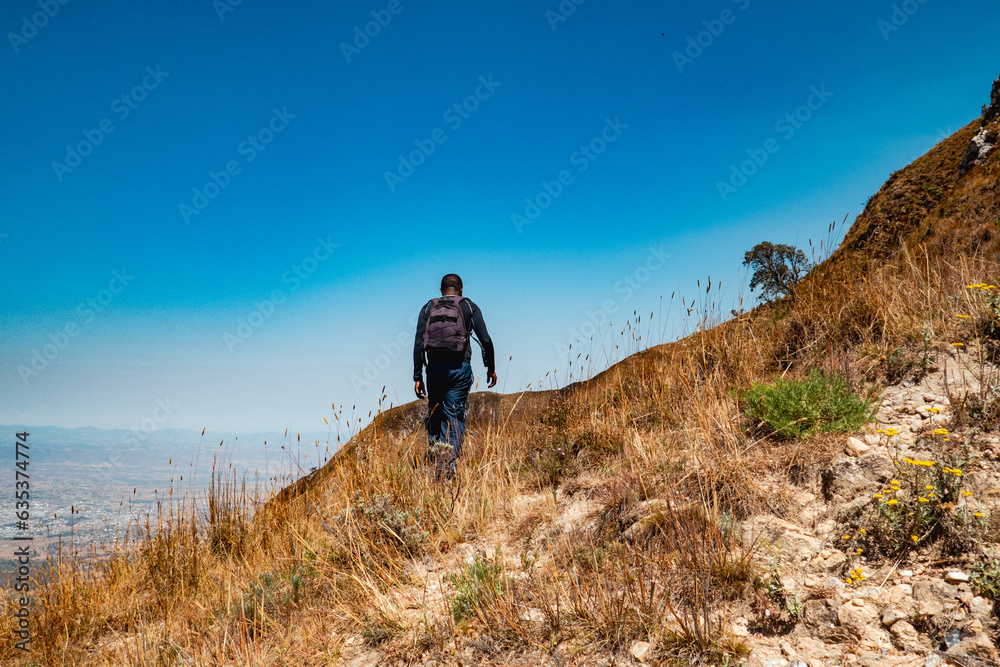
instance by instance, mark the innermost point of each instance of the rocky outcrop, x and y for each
(986, 139)
(979, 149)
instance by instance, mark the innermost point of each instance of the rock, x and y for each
(815, 651)
(856, 479)
(833, 562)
(891, 614)
(896, 594)
(791, 539)
(978, 150)
(820, 619)
(906, 573)
(855, 619)
(640, 650)
(928, 398)
(956, 578)
(905, 634)
(981, 608)
(872, 439)
(929, 608)
(978, 645)
(934, 660)
(855, 447)
(934, 589)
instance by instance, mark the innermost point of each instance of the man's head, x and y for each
(451, 284)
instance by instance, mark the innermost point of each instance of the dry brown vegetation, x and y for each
(653, 455)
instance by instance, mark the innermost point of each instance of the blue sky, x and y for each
(230, 163)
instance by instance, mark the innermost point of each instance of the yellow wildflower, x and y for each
(914, 538)
(940, 431)
(929, 487)
(966, 493)
(978, 514)
(891, 502)
(923, 500)
(966, 317)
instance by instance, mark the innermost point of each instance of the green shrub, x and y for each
(986, 577)
(477, 586)
(820, 403)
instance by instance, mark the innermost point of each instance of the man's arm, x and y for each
(479, 327)
(418, 350)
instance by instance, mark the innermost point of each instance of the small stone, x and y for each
(906, 573)
(929, 608)
(855, 447)
(640, 650)
(981, 607)
(905, 634)
(934, 660)
(858, 602)
(934, 589)
(929, 398)
(956, 577)
(891, 615)
(787, 649)
(977, 646)
(872, 439)
(833, 583)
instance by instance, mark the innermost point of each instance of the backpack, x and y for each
(445, 327)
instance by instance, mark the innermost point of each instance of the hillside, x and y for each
(653, 514)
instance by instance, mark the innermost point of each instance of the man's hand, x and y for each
(492, 379)
(418, 388)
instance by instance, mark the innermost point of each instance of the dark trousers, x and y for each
(448, 387)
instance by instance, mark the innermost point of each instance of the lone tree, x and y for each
(776, 268)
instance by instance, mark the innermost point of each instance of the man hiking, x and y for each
(443, 331)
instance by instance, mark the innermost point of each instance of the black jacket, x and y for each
(473, 322)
